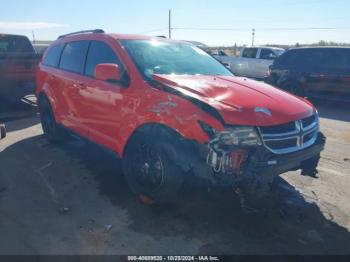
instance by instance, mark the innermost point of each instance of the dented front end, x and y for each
(256, 132)
(251, 157)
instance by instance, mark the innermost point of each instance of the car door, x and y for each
(101, 101)
(247, 63)
(72, 80)
(51, 76)
(265, 58)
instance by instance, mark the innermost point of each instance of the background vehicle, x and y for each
(322, 72)
(200, 45)
(40, 48)
(18, 62)
(169, 116)
(252, 62)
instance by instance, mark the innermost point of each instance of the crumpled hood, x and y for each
(241, 101)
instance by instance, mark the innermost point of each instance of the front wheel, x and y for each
(150, 169)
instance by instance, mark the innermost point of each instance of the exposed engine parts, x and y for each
(252, 173)
(226, 161)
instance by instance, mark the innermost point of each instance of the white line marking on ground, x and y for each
(46, 182)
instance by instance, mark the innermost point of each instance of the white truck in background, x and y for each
(253, 62)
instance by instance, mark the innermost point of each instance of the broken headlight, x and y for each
(233, 136)
(239, 136)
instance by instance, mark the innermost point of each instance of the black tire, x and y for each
(294, 88)
(52, 131)
(150, 168)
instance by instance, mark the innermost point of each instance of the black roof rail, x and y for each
(95, 31)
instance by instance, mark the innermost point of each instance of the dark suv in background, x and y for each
(319, 72)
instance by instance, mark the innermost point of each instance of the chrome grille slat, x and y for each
(301, 134)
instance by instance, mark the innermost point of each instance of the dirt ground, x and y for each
(72, 199)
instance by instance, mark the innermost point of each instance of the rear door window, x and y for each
(313, 58)
(250, 52)
(267, 54)
(73, 56)
(99, 53)
(53, 55)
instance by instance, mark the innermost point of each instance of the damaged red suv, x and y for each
(170, 110)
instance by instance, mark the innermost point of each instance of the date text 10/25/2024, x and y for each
(173, 258)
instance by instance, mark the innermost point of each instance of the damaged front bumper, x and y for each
(264, 160)
(256, 167)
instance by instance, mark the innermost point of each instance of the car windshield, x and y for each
(178, 58)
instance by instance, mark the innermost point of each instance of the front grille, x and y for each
(292, 136)
(309, 121)
(285, 143)
(285, 128)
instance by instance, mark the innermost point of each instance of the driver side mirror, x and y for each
(107, 72)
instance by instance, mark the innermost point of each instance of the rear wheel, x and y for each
(150, 169)
(52, 131)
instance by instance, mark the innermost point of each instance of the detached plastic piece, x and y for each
(2, 131)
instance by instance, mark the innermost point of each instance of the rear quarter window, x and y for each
(313, 58)
(73, 56)
(53, 55)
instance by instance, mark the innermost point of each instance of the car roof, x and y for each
(12, 35)
(96, 36)
(134, 37)
(318, 47)
(268, 47)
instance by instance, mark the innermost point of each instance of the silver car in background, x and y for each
(252, 62)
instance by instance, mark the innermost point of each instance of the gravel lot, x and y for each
(72, 199)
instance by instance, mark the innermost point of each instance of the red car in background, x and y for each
(18, 62)
(170, 111)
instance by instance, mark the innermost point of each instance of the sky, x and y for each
(213, 22)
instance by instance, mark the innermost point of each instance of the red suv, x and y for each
(170, 111)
